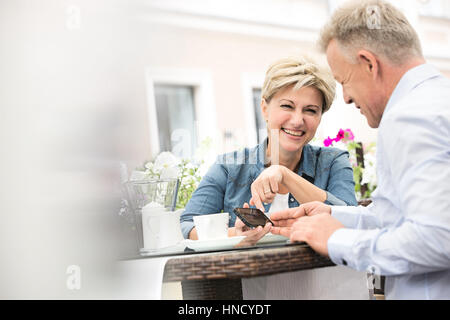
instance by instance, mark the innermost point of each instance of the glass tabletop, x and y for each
(189, 247)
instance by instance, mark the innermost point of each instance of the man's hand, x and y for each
(311, 222)
(315, 230)
(284, 219)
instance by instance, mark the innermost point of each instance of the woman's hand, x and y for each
(240, 228)
(252, 235)
(267, 185)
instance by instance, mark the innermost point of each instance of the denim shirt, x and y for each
(227, 183)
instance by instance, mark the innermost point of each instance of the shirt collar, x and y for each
(307, 162)
(410, 80)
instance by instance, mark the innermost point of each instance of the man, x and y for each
(404, 234)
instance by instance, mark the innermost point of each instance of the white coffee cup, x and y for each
(212, 226)
(161, 228)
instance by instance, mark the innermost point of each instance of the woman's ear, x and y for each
(264, 109)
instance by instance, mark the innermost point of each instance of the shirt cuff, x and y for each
(340, 246)
(186, 227)
(333, 200)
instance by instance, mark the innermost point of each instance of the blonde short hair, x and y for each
(300, 72)
(374, 25)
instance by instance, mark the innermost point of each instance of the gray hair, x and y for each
(300, 72)
(374, 25)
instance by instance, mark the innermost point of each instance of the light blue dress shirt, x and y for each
(405, 233)
(227, 183)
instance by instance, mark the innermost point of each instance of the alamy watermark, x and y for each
(73, 17)
(373, 17)
(373, 279)
(182, 147)
(73, 281)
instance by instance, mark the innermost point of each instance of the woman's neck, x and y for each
(289, 160)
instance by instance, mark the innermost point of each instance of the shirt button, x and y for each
(344, 262)
(292, 199)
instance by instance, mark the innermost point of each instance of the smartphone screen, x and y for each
(252, 217)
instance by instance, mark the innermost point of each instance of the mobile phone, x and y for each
(252, 217)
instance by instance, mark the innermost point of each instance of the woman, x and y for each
(284, 170)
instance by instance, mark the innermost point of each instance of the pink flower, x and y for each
(344, 135)
(328, 142)
(348, 135)
(340, 135)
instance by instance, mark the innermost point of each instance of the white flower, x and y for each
(151, 171)
(169, 173)
(149, 166)
(165, 160)
(167, 164)
(189, 180)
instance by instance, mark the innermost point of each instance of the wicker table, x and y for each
(218, 275)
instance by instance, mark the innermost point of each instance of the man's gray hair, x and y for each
(374, 25)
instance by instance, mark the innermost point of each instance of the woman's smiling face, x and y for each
(294, 115)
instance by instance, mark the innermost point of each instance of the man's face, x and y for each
(358, 84)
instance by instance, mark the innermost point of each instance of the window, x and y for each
(176, 118)
(180, 100)
(261, 130)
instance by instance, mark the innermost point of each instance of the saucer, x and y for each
(178, 248)
(272, 238)
(214, 244)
